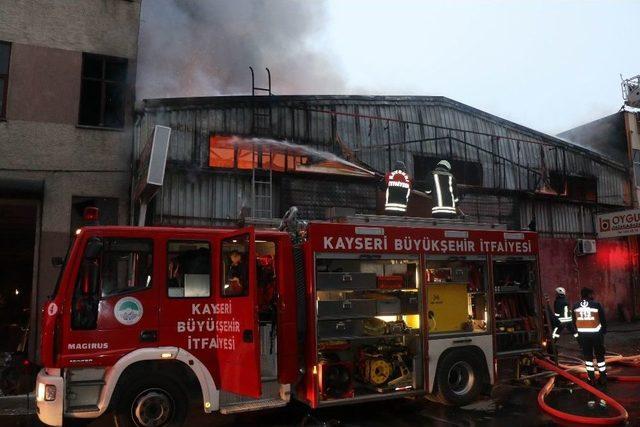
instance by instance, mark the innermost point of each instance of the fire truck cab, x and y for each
(145, 320)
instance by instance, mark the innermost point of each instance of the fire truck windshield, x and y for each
(61, 269)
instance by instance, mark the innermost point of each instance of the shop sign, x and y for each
(616, 224)
(152, 163)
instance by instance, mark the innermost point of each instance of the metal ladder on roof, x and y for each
(261, 177)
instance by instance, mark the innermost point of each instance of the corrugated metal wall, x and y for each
(377, 131)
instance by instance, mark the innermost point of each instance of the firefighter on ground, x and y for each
(561, 315)
(591, 324)
(443, 191)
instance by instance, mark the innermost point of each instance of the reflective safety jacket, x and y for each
(398, 191)
(588, 317)
(443, 193)
(561, 310)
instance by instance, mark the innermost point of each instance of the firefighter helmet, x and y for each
(445, 164)
(561, 291)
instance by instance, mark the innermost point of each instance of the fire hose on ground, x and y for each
(565, 370)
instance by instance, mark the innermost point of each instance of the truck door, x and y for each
(112, 301)
(238, 339)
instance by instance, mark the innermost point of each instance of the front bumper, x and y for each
(50, 408)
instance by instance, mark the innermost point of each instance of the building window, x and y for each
(5, 54)
(573, 187)
(102, 94)
(465, 172)
(582, 188)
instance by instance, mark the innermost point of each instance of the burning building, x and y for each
(237, 156)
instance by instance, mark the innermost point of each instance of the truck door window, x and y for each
(126, 265)
(109, 266)
(456, 296)
(189, 269)
(234, 267)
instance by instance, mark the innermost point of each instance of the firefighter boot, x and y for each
(602, 381)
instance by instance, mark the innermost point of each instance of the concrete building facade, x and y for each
(67, 75)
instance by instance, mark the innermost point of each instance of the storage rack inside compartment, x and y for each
(368, 329)
(517, 326)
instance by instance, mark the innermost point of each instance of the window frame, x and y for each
(211, 270)
(103, 81)
(134, 289)
(462, 179)
(246, 238)
(5, 89)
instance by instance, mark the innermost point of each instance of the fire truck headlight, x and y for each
(46, 392)
(40, 392)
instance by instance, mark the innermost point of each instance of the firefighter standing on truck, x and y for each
(591, 324)
(444, 190)
(561, 316)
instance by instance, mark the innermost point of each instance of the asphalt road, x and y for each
(509, 405)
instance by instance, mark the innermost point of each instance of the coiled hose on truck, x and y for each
(565, 370)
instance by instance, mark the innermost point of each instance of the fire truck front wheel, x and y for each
(459, 379)
(152, 402)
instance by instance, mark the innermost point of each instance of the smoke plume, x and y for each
(205, 47)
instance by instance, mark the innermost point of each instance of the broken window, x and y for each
(103, 91)
(234, 152)
(574, 187)
(5, 54)
(465, 172)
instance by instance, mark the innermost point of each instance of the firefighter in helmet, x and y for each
(561, 315)
(444, 189)
(590, 322)
(398, 189)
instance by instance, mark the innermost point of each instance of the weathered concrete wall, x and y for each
(608, 272)
(44, 84)
(107, 27)
(40, 141)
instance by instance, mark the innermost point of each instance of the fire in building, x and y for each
(255, 156)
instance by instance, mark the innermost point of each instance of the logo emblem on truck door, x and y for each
(128, 311)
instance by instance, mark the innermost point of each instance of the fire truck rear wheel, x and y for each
(459, 379)
(152, 402)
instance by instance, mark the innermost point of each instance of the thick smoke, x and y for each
(205, 47)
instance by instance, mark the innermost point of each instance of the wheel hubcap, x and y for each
(461, 378)
(152, 408)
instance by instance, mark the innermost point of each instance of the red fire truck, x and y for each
(146, 320)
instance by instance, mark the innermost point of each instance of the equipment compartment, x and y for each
(343, 280)
(368, 329)
(409, 303)
(346, 308)
(388, 306)
(340, 328)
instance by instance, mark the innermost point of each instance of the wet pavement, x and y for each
(509, 405)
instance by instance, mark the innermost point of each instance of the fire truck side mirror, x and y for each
(94, 247)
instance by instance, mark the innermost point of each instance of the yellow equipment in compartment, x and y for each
(447, 306)
(376, 370)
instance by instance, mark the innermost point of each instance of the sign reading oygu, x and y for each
(616, 224)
